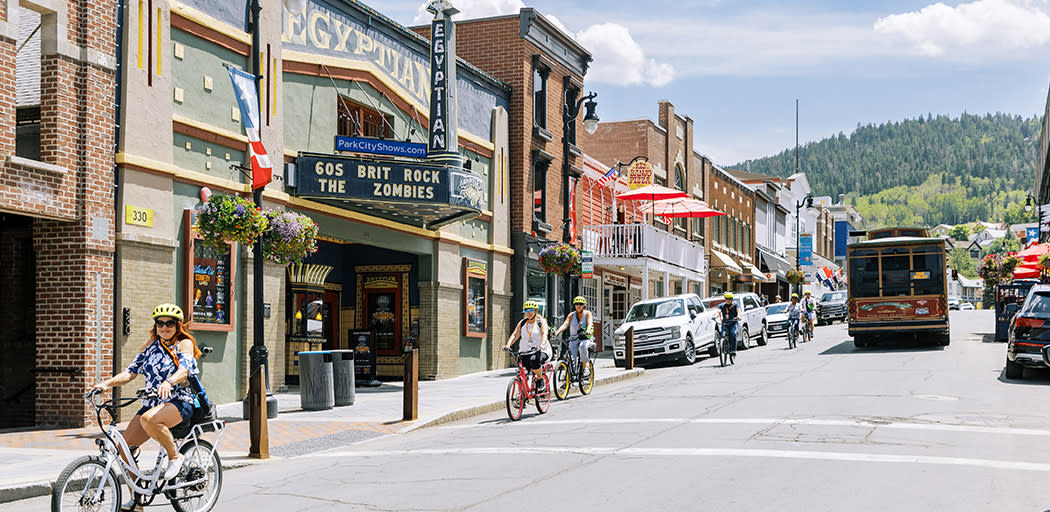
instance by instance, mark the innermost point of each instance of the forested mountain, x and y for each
(929, 170)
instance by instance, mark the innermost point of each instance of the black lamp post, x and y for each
(590, 123)
(808, 203)
(1031, 204)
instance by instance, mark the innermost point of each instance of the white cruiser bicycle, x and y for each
(95, 482)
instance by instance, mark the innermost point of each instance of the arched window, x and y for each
(679, 177)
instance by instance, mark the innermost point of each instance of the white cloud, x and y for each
(983, 27)
(618, 59)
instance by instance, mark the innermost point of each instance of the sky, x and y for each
(737, 67)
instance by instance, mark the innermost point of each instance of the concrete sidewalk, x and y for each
(30, 460)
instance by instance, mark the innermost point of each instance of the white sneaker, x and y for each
(174, 465)
(129, 505)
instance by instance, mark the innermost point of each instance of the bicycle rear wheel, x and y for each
(86, 485)
(562, 381)
(587, 383)
(543, 397)
(202, 465)
(515, 399)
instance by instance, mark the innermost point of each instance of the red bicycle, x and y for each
(521, 389)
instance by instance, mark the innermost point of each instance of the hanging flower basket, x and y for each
(289, 236)
(795, 276)
(561, 258)
(231, 218)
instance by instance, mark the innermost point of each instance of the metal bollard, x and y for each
(628, 349)
(260, 439)
(411, 387)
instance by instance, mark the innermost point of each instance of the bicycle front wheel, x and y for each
(587, 379)
(543, 397)
(86, 485)
(561, 380)
(723, 352)
(515, 399)
(203, 469)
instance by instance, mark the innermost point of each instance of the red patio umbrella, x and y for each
(1026, 273)
(652, 192)
(680, 207)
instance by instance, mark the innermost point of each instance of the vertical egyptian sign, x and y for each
(443, 137)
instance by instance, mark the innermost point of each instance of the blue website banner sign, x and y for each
(1031, 234)
(381, 147)
(805, 253)
(841, 238)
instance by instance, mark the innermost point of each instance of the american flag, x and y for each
(248, 101)
(608, 176)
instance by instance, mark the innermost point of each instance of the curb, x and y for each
(478, 410)
(37, 489)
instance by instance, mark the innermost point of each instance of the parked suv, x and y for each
(752, 317)
(831, 307)
(1029, 331)
(667, 328)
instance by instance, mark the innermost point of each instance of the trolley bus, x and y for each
(897, 287)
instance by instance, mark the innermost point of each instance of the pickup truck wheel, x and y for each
(689, 355)
(763, 338)
(744, 340)
(1014, 370)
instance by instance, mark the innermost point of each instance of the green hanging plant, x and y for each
(231, 218)
(561, 258)
(289, 236)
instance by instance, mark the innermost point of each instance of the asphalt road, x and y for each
(822, 427)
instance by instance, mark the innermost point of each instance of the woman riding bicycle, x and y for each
(581, 319)
(532, 331)
(166, 360)
(794, 314)
(730, 317)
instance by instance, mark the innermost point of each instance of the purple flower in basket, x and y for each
(239, 211)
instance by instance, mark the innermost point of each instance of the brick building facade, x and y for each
(57, 133)
(545, 70)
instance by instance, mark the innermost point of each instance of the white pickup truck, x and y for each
(667, 328)
(752, 317)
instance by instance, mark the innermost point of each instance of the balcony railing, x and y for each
(642, 241)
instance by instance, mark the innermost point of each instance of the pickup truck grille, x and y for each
(649, 337)
(833, 310)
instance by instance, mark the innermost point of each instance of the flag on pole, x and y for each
(248, 102)
(608, 176)
(572, 211)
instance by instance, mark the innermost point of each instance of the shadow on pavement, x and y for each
(988, 337)
(882, 347)
(1030, 377)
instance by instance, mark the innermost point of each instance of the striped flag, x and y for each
(248, 102)
(608, 176)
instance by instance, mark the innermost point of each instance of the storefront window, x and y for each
(536, 290)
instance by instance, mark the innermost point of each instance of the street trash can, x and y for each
(343, 376)
(316, 389)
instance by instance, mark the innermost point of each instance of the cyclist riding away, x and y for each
(730, 316)
(575, 321)
(165, 360)
(532, 331)
(809, 304)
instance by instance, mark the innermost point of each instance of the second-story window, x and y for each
(358, 121)
(539, 94)
(539, 189)
(571, 95)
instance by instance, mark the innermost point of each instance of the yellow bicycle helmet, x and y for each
(167, 309)
(727, 295)
(580, 299)
(528, 305)
(794, 295)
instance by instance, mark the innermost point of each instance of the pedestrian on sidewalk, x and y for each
(165, 360)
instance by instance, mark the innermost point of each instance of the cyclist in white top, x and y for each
(532, 331)
(579, 319)
(809, 305)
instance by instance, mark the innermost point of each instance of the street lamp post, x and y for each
(590, 123)
(808, 203)
(1031, 203)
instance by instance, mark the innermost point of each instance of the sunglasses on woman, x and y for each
(168, 323)
(530, 310)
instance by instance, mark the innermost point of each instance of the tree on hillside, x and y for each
(960, 233)
(960, 260)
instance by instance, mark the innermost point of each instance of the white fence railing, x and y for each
(641, 241)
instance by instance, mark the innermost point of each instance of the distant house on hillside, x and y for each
(972, 289)
(949, 244)
(989, 234)
(941, 230)
(978, 247)
(1021, 230)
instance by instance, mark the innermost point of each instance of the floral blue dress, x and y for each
(156, 365)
